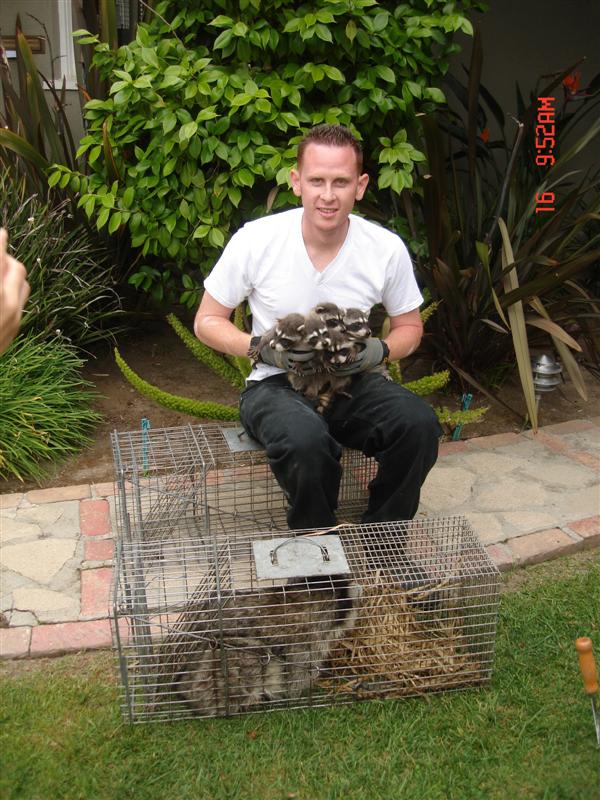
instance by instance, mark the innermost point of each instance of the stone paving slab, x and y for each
(528, 497)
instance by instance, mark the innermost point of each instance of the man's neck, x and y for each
(323, 246)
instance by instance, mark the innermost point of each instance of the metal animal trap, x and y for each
(225, 624)
(186, 481)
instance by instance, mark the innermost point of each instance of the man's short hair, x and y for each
(334, 136)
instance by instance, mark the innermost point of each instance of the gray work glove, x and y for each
(373, 352)
(297, 360)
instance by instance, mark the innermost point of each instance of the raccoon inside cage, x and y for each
(224, 622)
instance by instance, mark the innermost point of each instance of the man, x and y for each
(290, 262)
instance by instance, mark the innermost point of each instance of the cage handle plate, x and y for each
(322, 548)
(287, 557)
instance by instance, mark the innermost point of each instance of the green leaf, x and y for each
(324, 33)
(206, 113)
(235, 195)
(385, 73)
(123, 96)
(223, 39)
(292, 25)
(171, 222)
(128, 196)
(380, 21)
(245, 177)
(94, 153)
(241, 99)
(148, 55)
(54, 178)
(169, 167)
(216, 237)
(102, 218)
(516, 319)
(333, 73)
(434, 94)
(115, 222)
(187, 131)
(291, 119)
(221, 21)
(414, 88)
(201, 231)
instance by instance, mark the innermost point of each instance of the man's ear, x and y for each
(295, 179)
(363, 181)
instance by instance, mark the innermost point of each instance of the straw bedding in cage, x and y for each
(390, 651)
(394, 650)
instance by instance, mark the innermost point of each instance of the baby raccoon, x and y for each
(286, 334)
(357, 328)
(252, 647)
(316, 332)
(355, 323)
(318, 337)
(342, 351)
(331, 315)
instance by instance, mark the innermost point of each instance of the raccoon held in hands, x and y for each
(287, 333)
(342, 350)
(254, 647)
(333, 334)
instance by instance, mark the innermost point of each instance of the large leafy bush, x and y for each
(207, 103)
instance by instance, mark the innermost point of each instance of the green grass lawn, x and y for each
(529, 734)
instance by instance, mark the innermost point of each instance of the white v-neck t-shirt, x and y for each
(266, 262)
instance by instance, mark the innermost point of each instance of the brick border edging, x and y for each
(545, 545)
(55, 639)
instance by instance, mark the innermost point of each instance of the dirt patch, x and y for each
(156, 354)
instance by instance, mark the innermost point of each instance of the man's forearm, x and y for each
(221, 334)
(403, 341)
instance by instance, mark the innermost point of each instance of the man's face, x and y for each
(329, 184)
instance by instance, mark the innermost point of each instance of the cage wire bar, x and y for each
(188, 480)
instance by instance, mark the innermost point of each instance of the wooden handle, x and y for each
(587, 665)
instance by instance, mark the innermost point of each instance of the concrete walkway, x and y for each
(529, 498)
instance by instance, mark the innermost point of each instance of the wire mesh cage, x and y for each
(186, 481)
(235, 621)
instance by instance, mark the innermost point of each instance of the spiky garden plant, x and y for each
(71, 274)
(45, 406)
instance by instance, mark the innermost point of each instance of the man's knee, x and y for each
(418, 428)
(424, 421)
(307, 443)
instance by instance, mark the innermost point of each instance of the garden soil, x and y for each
(156, 354)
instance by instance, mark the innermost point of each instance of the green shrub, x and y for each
(206, 105)
(71, 276)
(45, 405)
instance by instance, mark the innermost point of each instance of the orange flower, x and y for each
(571, 82)
(485, 135)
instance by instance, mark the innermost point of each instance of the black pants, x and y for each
(303, 448)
